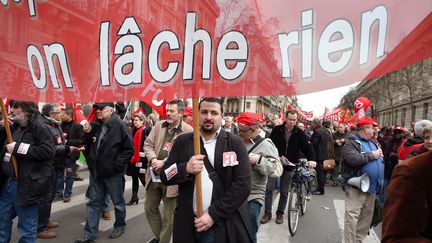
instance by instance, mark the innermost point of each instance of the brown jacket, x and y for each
(153, 144)
(407, 213)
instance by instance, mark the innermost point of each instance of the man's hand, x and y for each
(195, 164)
(377, 154)
(312, 164)
(10, 119)
(10, 147)
(157, 165)
(204, 222)
(253, 158)
(87, 127)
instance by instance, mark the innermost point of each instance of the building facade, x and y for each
(401, 97)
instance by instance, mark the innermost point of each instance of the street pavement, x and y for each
(323, 221)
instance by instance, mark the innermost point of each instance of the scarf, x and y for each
(137, 144)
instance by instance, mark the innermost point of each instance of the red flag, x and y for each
(92, 116)
(140, 110)
(361, 103)
(79, 115)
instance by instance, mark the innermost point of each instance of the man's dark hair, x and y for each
(290, 111)
(26, 106)
(212, 100)
(69, 112)
(179, 103)
(49, 108)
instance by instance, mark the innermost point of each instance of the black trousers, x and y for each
(44, 205)
(320, 176)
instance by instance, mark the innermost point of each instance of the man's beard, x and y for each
(207, 129)
(20, 118)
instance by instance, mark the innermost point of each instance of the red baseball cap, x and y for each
(187, 111)
(365, 121)
(249, 119)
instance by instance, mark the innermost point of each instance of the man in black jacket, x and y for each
(73, 133)
(289, 141)
(224, 196)
(320, 142)
(33, 148)
(51, 118)
(108, 150)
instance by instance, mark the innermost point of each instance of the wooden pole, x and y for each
(197, 146)
(9, 135)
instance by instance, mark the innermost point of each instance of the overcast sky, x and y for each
(317, 101)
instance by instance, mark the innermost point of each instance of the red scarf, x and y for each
(137, 144)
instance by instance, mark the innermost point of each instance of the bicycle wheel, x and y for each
(293, 210)
(302, 198)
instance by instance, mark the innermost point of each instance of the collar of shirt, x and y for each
(173, 129)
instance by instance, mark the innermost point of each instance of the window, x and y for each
(403, 117)
(248, 105)
(395, 117)
(425, 110)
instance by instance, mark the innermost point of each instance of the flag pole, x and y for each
(198, 184)
(9, 135)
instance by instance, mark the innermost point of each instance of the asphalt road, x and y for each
(323, 221)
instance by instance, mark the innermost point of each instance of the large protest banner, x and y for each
(114, 50)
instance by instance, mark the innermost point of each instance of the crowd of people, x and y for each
(241, 161)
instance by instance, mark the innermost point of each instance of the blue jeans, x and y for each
(99, 187)
(59, 182)
(285, 185)
(206, 236)
(64, 187)
(254, 212)
(27, 215)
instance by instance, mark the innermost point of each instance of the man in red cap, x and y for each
(188, 115)
(264, 161)
(361, 155)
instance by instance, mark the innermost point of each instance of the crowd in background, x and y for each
(47, 145)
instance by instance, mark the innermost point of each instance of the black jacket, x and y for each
(230, 210)
(74, 133)
(297, 142)
(115, 149)
(34, 164)
(320, 138)
(61, 149)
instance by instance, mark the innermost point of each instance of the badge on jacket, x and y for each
(23, 148)
(167, 146)
(7, 157)
(230, 159)
(171, 171)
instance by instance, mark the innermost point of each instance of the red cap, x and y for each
(187, 111)
(249, 119)
(398, 127)
(365, 121)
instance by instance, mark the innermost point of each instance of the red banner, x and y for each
(90, 51)
(333, 116)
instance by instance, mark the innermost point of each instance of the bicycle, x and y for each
(301, 187)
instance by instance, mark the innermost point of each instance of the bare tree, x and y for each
(348, 99)
(411, 77)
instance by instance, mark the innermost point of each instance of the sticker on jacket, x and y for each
(171, 171)
(23, 148)
(7, 157)
(230, 159)
(167, 146)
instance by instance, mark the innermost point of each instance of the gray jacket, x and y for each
(267, 165)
